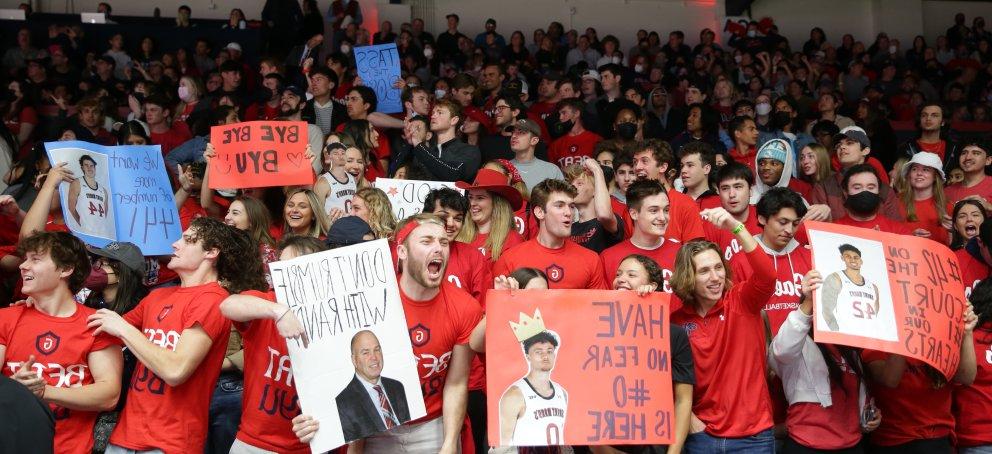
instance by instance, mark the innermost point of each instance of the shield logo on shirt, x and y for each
(164, 312)
(420, 335)
(555, 273)
(47, 343)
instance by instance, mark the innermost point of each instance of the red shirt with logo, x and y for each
(61, 347)
(568, 149)
(663, 255)
(269, 402)
(436, 326)
(728, 349)
(728, 243)
(913, 410)
(569, 267)
(479, 243)
(790, 266)
(469, 270)
(159, 416)
(973, 403)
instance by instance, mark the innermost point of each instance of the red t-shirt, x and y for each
(728, 349)
(542, 109)
(469, 270)
(172, 138)
(512, 239)
(269, 402)
(159, 416)
(684, 222)
(880, 223)
(746, 158)
(958, 191)
(61, 347)
(663, 255)
(973, 403)
(800, 187)
(726, 241)
(912, 411)
(570, 266)
(928, 219)
(436, 327)
(190, 210)
(939, 147)
(973, 270)
(620, 209)
(829, 428)
(569, 149)
(521, 223)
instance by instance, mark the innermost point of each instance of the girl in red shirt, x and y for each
(923, 204)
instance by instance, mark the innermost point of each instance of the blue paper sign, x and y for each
(379, 67)
(119, 194)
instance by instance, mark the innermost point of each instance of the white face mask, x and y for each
(428, 52)
(737, 58)
(638, 68)
(184, 94)
(892, 49)
(752, 33)
(615, 59)
(439, 93)
(763, 108)
(345, 48)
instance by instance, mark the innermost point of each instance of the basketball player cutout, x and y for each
(850, 301)
(89, 201)
(532, 410)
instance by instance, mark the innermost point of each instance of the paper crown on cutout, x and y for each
(528, 326)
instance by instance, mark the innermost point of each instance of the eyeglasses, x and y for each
(499, 108)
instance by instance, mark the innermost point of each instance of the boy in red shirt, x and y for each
(731, 408)
(179, 337)
(974, 160)
(78, 371)
(567, 264)
(651, 161)
(157, 115)
(266, 421)
(467, 268)
(647, 203)
(578, 143)
(862, 202)
(734, 181)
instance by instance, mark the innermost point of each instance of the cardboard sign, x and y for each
(257, 154)
(120, 194)
(612, 342)
(379, 67)
(407, 196)
(887, 292)
(340, 295)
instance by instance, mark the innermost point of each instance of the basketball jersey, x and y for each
(856, 311)
(94, 211)
(543, 421)
(340, 194)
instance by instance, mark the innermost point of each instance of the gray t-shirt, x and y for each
(536, 171)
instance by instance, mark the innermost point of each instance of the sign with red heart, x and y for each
(257, 154)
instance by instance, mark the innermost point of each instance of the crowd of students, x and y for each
(689, 171)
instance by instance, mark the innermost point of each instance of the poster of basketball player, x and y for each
(532, 410)
(86, 203)
(855, 298)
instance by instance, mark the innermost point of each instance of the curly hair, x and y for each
(239, 266)
(67, 251)
(381, 217)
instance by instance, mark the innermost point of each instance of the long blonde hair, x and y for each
(824, 167)
(500, 226)
(683, 279)
(381, 218)
(320, 222)
(939, 199)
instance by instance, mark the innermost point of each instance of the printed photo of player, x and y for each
(851, 303)
(532, 410)
(88, 202)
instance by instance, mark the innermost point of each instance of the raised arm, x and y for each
(968, 366)
(601, 200)
(831, 291)
(37, 215)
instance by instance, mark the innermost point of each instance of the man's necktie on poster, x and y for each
(387, 411)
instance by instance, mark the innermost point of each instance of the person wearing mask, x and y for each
(55, 267)
(173, 380)
(824, 384)
(446, 157)
(852, 147)
(566, 264)
(491, 204)
(597, 226)
(647, 202)
(577, 143)
(652, 161)
(422, 249)
(863, 202)
(731, 407)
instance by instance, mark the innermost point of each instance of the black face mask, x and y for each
(561, 129)
(781, 119)
(864, 203)
(626, 131)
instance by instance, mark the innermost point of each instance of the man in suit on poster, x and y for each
(370, 403)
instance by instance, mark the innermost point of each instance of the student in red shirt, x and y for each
(48, 347)
(179, 337)
(652, 160)
(647, 202)
(744, 131)
(566, 264)
(441, 318)
(266, 420)
(734, 181)
(578, 143)
(923, 203)
(911, 423)
(157, 110)
(974, 160)
(973, 420)
(731, 408)
(491, 204)
(862, 202)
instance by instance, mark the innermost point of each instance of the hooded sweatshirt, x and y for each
(781, 151)
(790, 265)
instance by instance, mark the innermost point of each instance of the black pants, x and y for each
(792, 447)
(928, 446)
(476, 410)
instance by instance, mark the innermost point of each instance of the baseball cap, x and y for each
(296, 90)
(347, 231)
(515, 87)
(592, 74)
(552, 75)
(925, 158)
(233, 46)
(108, 60)
(854, 133)
(126, 253)
(525, 124)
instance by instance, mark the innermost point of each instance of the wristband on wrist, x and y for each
(283, 315)
(738, 228)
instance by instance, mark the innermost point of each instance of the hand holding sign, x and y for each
(260, 154)
(379, 67)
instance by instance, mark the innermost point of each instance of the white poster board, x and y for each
(407, 196)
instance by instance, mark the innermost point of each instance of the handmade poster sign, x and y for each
(407, 196)
(887, 292)
(379, 67)
(545, 348)
(257, 154)
(119, 194)
(349, 304)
